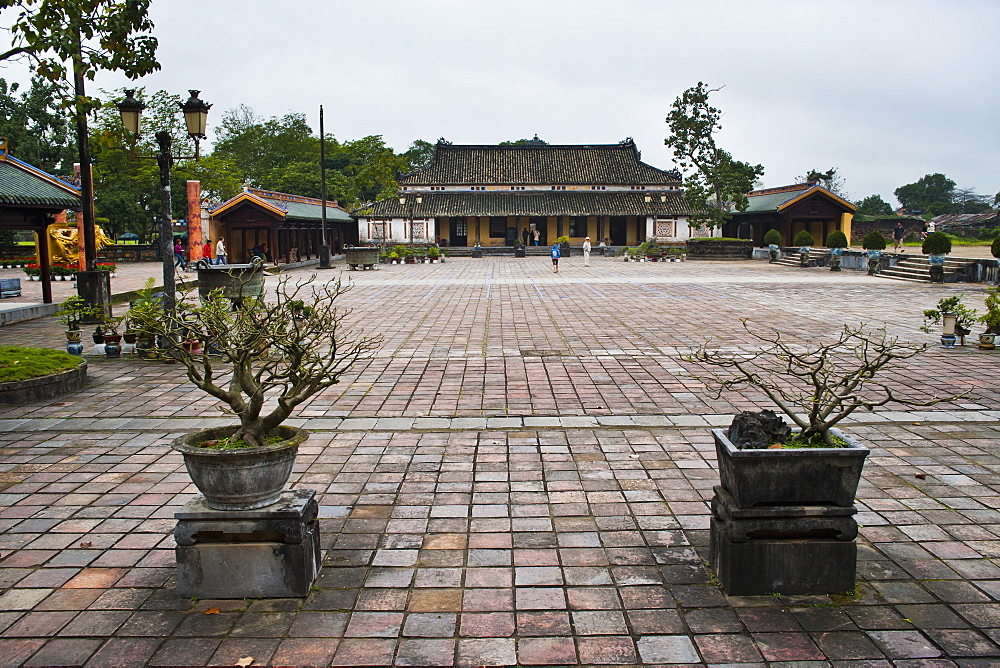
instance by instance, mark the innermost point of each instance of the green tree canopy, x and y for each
(830, 179)
(873, 206)
(37, 130)
(932, 193)
(713, 178)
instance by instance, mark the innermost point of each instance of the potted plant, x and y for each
(434, 254)
(874, 243)
(987, 340)
(796, 486)
(772, 239)
(836, 242)
(143, 313)
(112, 338)
(815, 386)
(957, 319)
(804, 241)
(261, 362)
(936, 247)
(563, 242)
(477, 250)
(519, 249)
(71, 313)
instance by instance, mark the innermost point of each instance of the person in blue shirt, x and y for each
(555, 253)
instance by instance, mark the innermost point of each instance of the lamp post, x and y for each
(196, 119)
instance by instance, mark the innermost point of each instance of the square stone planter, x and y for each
(791, 476)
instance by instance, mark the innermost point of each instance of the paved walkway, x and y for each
(520, 476)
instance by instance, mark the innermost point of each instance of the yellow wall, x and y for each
(846, 219)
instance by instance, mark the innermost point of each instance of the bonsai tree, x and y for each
(803, 238)
(563, 240)
(434, 253)
(837, 239)
(261, 360)
(936, 243)
(992, 316)
(815, 385)
(873, 241)
(73, 310)
(772, 237)
(965, 317)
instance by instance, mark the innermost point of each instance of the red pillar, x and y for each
(195, 242)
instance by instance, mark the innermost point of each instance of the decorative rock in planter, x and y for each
(772, 251)
(874, 258)
(835, 256)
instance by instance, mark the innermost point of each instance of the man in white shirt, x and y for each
(220, 252)
(586, 252)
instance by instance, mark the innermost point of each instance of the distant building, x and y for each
(289, 225)
(791, 209)
(497, 195)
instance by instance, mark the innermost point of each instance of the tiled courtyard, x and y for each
(520, 476)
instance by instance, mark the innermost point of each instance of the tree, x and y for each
(91, 35)
(829, 179)
(713, 178)
(932, 193)
(419, 154)
(37, 130)
(873, 206)
(967, 200)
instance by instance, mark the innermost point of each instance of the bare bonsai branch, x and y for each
(266, 357)
(818, 386)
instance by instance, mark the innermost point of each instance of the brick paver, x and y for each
(521, 475)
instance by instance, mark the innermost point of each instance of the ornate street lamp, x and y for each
(196, 118)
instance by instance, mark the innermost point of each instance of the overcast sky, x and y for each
(886, 91)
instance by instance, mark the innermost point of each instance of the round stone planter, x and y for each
(19, 392)
(987, 341)
(244, 478)
(791, 476)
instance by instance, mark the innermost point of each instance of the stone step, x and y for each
(916, 269)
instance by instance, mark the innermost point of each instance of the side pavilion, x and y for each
(29, 200)
(289, 225)
(497, 195)
(790, 209)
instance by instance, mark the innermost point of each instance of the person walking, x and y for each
(924, 232)
(555, 253)
(537, 235)
(179, 255)
(206, 251)
(897, 234)
(220, 252)
(586, 252)
(524, 236)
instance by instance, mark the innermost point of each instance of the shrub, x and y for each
(837, 239)
(995, 248)
(936, 243)
(873, 241)
(803, 238)
(773, 236)
(563, 240)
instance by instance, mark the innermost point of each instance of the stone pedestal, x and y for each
(272, 552)
(782, 549)
(95, 288)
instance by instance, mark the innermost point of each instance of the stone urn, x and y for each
(240, 478)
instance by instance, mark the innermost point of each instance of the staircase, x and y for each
(916, 269)
(818, 257)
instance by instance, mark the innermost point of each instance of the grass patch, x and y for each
(228, 443)
(814, 441)
(20, 363)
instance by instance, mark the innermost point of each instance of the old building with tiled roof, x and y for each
(496, 195)
(290, 226)
(790, 209)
